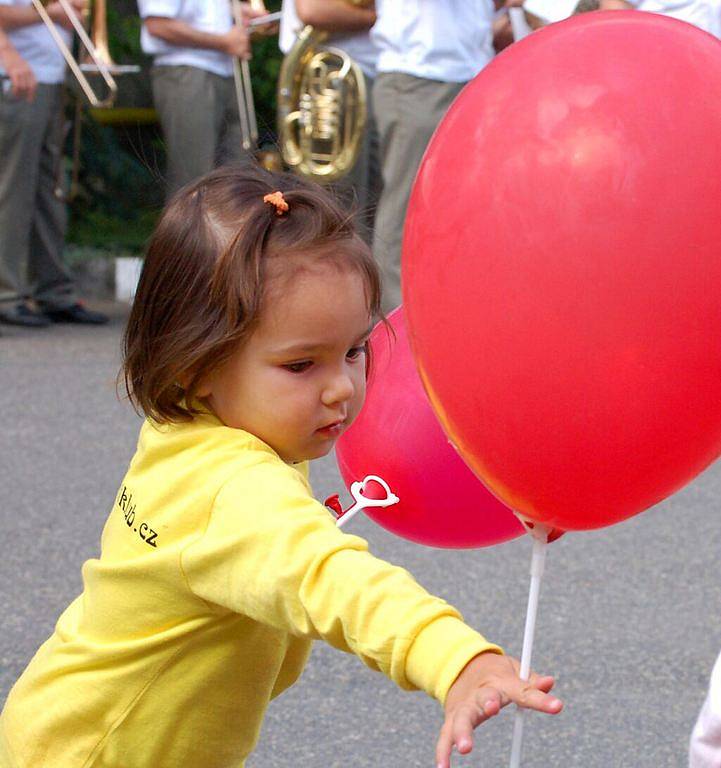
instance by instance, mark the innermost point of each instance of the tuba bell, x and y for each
(322, 107)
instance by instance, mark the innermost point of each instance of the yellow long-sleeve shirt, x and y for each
(217, 570)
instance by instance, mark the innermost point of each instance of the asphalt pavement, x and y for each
(629, 616)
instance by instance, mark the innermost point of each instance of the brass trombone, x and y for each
(244, 87)
(100, 65)
(268, 158)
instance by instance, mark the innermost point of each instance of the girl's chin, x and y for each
(317, 452)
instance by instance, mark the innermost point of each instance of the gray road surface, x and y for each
(629, 616)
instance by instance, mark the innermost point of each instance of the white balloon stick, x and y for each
(538, 561)
(363, 502)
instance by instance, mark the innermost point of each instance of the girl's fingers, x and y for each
(489, 701)
(444, 746)
(467, 718)
(485, 702)
(520, 688)
(529, 697)
(542, 682)
(458, 729)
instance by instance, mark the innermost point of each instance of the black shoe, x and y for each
(75, 313)
(21, 314)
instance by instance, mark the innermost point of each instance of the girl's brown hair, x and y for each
(206, 273)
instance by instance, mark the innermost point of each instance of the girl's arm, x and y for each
(274, 554)
(335, 15)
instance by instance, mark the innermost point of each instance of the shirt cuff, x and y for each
(440, 652)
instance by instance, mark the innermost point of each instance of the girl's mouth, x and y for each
(334, 429)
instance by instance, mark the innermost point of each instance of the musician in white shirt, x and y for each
(705, 14)
(36, 287)
(193, 43)
(347, 26)
(427, 52)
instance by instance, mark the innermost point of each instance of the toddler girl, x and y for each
(246, 350)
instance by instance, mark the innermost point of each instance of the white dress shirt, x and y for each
(705, 14)
(213, 16)
(358, 46)
(550, 10)
(36, 45)
(446, 40)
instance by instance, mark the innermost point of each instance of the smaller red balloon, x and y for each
(397, 437)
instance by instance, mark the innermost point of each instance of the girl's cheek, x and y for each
(360, 396)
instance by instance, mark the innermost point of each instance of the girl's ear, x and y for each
(205, 387)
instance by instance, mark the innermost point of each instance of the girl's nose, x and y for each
(339, 389)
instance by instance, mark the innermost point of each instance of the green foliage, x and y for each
(114, 234)
(124, 31)
(264, 70)
(120, 190)
(121, 187)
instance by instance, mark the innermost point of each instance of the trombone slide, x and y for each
(73, 65)
(244, 92)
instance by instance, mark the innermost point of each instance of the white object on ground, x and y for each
(705, 747)
(127, 274)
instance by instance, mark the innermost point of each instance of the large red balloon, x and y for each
(562, 267)
(397, 437)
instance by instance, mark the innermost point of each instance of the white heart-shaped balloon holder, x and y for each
(362, 502)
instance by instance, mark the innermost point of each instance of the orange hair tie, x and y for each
(277, 199)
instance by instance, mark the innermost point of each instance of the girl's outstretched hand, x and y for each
(487, 683)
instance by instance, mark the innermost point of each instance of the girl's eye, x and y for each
(303, 365)
(355, 352)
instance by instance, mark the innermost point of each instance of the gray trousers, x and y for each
(407, 110)
(32, 219)
(198, 113)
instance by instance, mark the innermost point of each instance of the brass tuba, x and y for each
(322, 107)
